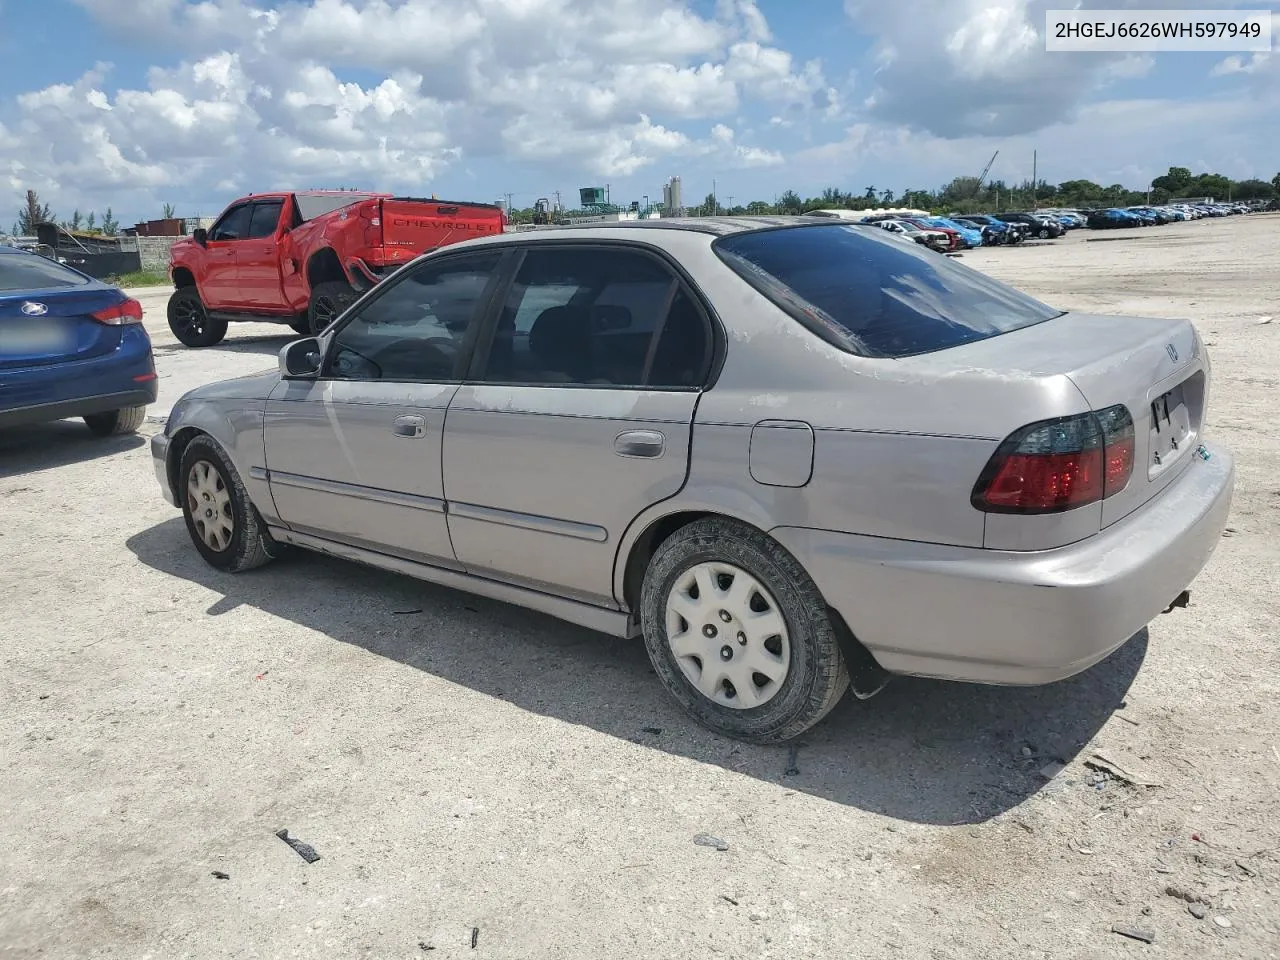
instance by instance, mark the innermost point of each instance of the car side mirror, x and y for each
(201, 236)
(301, 359)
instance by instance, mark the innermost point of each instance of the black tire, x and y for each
(249, 544)
(116, 422)
(1044, 233)
(816, 678)
(328, 301)
(302, 325)
(190, 322)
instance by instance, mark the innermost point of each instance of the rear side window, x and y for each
(265, 217)
(870, 293)
(598, 316)
(19, 271)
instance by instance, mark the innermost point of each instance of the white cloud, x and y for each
(576, 87)
(969, 67)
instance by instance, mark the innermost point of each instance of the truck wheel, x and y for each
(328, 300)
(190, 321)
(301, 326)
(739, 634)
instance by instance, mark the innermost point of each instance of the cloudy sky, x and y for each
(133, 103)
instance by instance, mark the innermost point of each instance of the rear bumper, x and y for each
(44, 412)
(1020, 618)
(125, 377)
(160, 461)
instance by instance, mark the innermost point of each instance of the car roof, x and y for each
(644, 229)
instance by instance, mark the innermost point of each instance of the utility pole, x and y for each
(715, 204)
(509, 196)
(730, 210)
(1035, 190)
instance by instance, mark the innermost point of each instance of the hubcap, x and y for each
(191, 317)
(325, 312)
(712, 603)
(209, 502)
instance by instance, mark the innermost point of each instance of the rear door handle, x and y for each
(409, 426)
(639, 443)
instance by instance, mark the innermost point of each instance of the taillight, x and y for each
(125, 312)
(1057, 465)
(1118, 447)
(371, 213)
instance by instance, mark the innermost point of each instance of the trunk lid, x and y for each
(1157, 368)
(421, 225)
(47, 327)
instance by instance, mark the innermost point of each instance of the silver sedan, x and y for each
(797, 456)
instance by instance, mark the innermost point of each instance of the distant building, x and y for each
(673, 198)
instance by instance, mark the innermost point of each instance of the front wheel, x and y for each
(328, 301)
(190, 321)
(739, 634)
(116, 422)
(221, 519)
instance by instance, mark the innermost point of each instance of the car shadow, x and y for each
(266, 345)
(922, 751)
(45, 446)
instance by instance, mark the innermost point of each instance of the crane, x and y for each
(985, 170)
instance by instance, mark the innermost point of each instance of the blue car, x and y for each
(970, 235)
(70, 346)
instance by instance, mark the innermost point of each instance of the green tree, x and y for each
(1275, 183)
(758, 208)
(91, 223)
(1253, 190)
(168, 211)
(790, 202)
(76, 220)
(886, 197)
(110, 225)
(1211, 185)
(1177, 181)
(32, 213)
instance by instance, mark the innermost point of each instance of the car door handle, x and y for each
(639, 443)
(409, 427)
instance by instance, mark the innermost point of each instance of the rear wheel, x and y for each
(115, 422)
(301, 325)
(190, 321)
(739, 634)
(222, 520)
(328, 301)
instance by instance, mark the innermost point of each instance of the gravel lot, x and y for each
(464, 766)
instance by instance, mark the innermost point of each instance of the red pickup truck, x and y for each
(303, 258)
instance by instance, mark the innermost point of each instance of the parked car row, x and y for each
(964, 231)
(1149, 216)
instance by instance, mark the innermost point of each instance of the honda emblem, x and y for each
(1172, 351)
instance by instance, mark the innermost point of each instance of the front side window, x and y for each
(875, 296)
(415, 330)
(266, 216)
(233, 225)
(598, 316)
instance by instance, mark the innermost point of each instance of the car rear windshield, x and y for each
(25, 271)
(874, 294)
(312, 205)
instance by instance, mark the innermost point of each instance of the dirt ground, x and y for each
(484, 782)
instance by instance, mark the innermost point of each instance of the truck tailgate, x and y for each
(420, 225)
